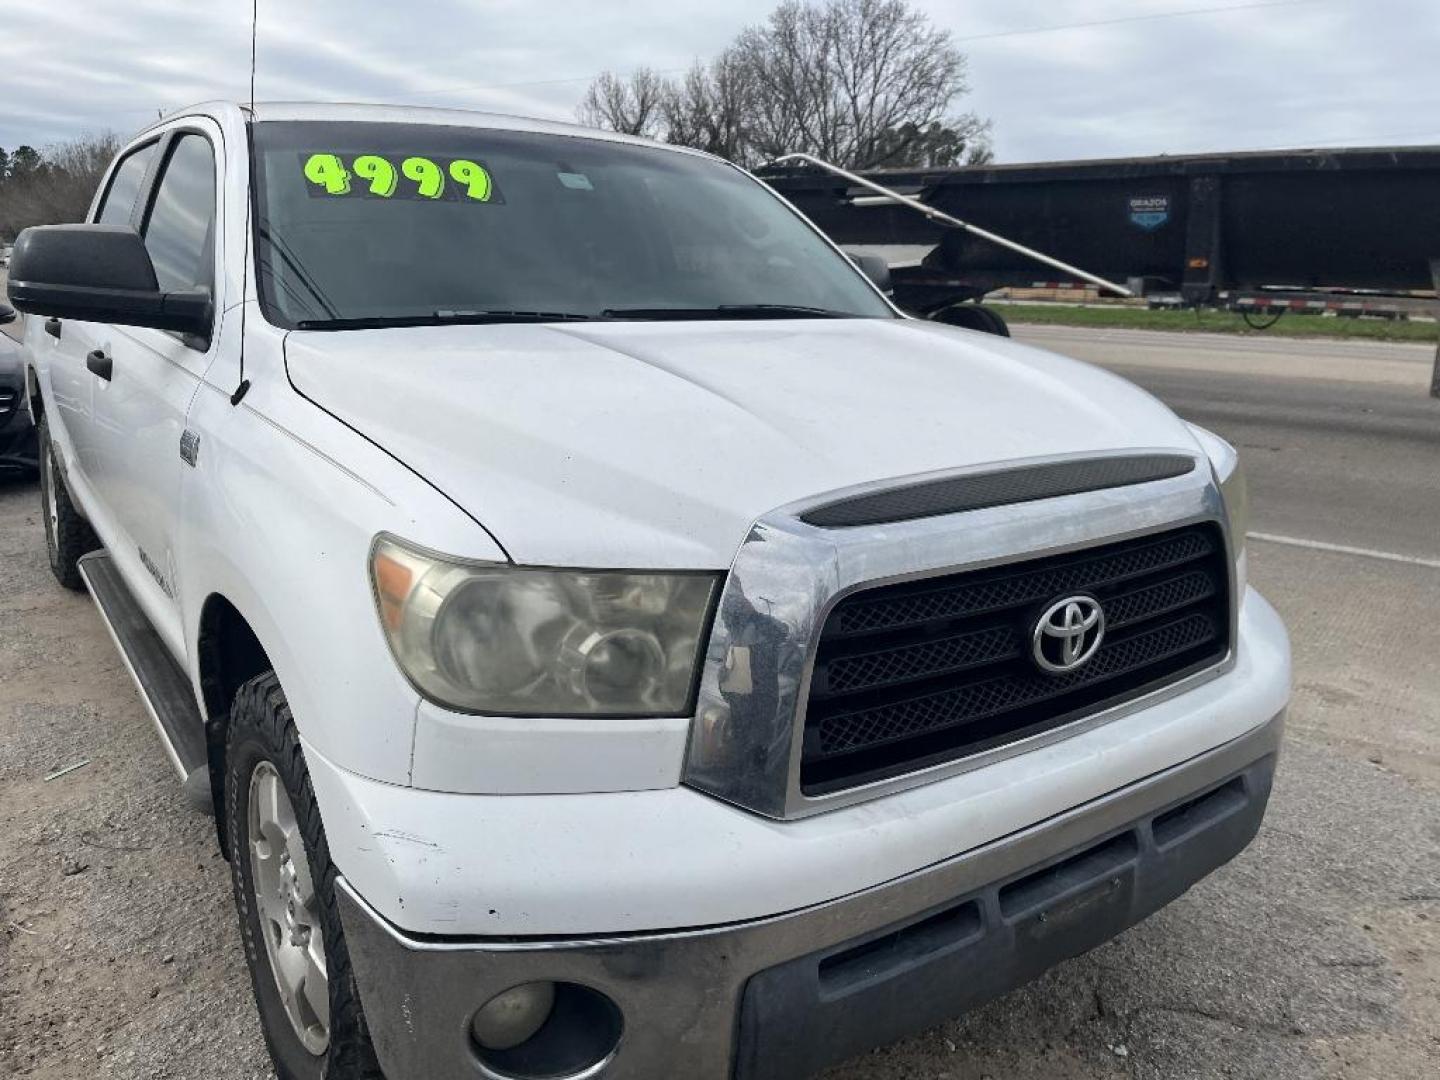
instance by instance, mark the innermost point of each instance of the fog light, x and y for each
(546, 1031)
(511, 1017)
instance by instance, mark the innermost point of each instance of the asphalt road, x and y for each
(1315, 954)
(1341, 440)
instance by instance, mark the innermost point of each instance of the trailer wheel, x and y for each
(972, 317)
(999, 327)
(1259, 323)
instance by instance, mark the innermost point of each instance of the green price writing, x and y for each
(475, 178)
(371, 174)
(379, 172)
(329, 172)
(429, 180)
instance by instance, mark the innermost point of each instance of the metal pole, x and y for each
(940, 215)
(1435, 371)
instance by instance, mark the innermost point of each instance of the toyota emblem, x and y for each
(1067, 634)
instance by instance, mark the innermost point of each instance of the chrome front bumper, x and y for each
(782, 996)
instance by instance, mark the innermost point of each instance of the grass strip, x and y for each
(1205, 321)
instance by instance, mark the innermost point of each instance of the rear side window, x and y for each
(119, 202)
(180, 230)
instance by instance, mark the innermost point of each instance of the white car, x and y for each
(614, 640)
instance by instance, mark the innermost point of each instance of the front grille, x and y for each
(8, 398)
(915, 673)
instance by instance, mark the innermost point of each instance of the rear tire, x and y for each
(68, 536)
(313, 1033)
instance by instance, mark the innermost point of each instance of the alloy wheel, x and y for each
(288, 909)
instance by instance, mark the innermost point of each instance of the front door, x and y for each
(140, 410)
(67, 344)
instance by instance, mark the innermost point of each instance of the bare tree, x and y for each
(710, 108)
(863, 83)
(841, 80)
(791, 63)
(631, 105)
(54, 186)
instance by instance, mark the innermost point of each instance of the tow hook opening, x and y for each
(545, 1031)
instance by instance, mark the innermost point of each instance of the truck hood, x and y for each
(658, 445)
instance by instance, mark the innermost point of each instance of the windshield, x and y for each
(362, 224)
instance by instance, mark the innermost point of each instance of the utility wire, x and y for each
(1151, 17)
(1020, 32)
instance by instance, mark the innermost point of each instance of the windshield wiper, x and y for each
(728, 311)
(440, 318)
(510, 316)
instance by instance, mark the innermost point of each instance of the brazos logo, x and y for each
(1149, 212)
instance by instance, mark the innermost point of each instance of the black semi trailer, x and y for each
(1289, 228)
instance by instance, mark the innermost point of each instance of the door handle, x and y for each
(52, 327)
(99, 362)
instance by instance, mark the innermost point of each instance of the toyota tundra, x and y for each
(613, 639)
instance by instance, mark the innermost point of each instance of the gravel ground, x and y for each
(1315, 954)
(118, 952)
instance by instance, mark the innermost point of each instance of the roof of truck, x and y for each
(404, 114)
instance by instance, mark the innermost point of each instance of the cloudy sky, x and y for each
(1138, 77)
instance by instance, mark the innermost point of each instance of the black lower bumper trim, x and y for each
(820, 1008)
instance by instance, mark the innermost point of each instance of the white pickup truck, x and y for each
(613, 639)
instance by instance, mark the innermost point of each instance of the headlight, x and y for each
(496, 638)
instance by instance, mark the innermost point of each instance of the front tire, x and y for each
(284, 885)
(67, 535)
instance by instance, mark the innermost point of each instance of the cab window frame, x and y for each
(147, 179)
(145, 205)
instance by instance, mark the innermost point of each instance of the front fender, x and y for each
(280, 511)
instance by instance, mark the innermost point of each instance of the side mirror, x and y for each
(7, 314)
(99, 273)
(876, 269)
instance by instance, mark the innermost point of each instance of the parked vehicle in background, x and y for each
(614, 640)
(18, 446)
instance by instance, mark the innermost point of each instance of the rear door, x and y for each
(67, 343)
(140, 411)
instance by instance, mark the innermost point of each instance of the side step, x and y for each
(163, 685)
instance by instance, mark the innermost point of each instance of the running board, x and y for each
(163, 685)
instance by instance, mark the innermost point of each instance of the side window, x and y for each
(119, 202)
(180, 229)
